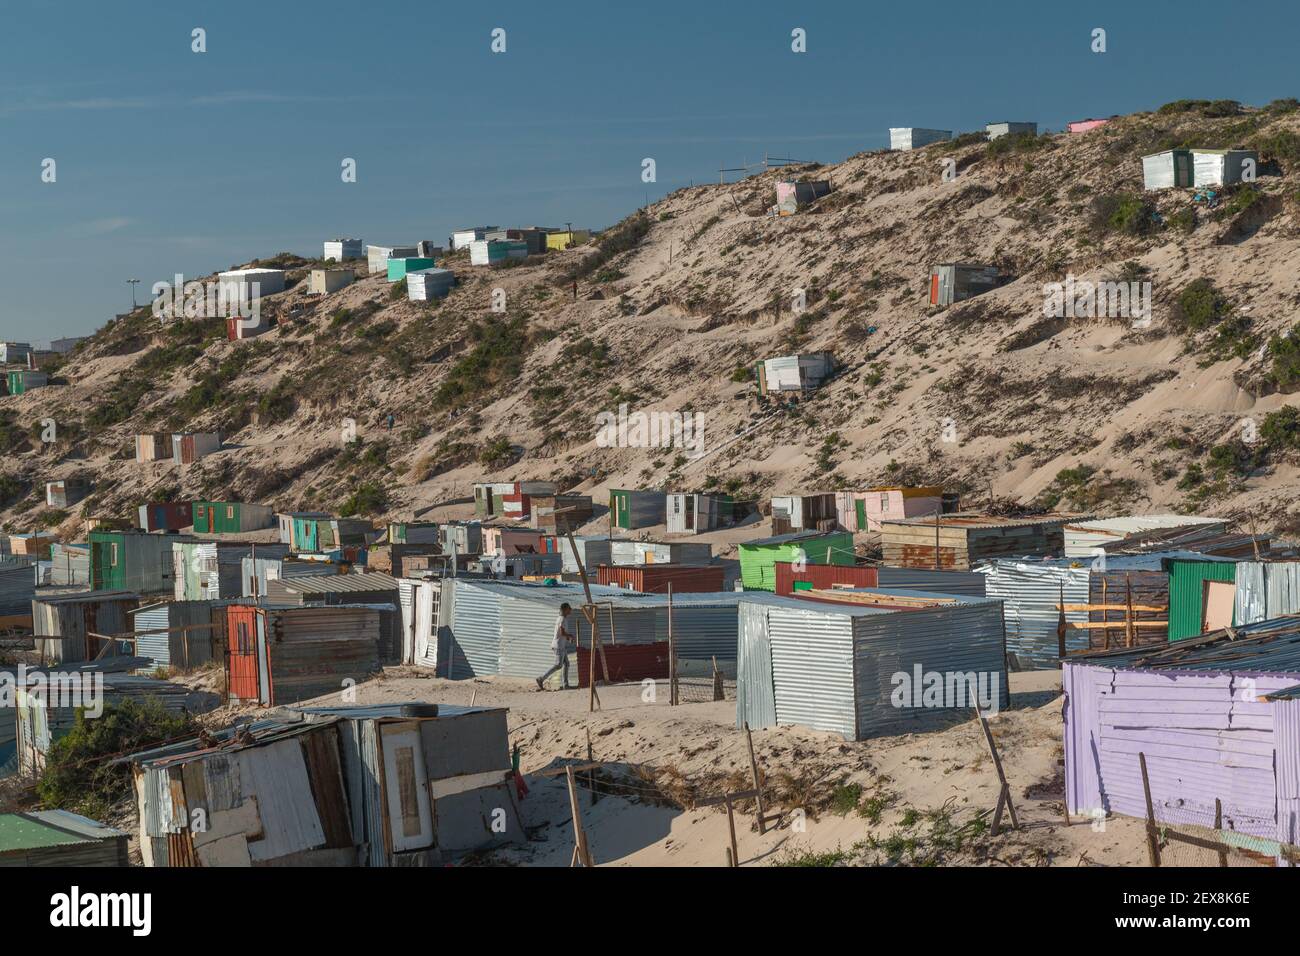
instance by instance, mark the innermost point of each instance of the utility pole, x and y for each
(133, 283)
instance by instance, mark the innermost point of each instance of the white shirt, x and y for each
(559, 641)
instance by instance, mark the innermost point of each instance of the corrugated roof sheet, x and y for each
(984, 521)
(1266, 646)
(45, 828)
(335, 583)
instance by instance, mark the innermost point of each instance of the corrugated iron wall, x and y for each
(1286, 734)
(476, 633)
(755, 693)
(1186, 584)
(824, 576)
(812, 669)
(1030, 593)
(652, 579)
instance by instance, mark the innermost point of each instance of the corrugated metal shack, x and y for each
(952, 282)
(284, 522)
(1221, 167)
(815, 512)
(998, 130)
(20, 382)
(1201, 712)
(14, 353)
(825, 577)
(490, 496)
(1031, 590)
(230, 517)
(325, 281)
(1191, 582)
(860, 670)
(557, 514)
(412, 532)
(66, 492)
(166, 516)
(245, 285)
(461, 538)
(656, 578)
(914, 137)
(17, 587)
(791, 196)
(153, 447)
(758, 558)
(210, 570)
(179, 634)
(69, 565)
(1265, 590)
(63, 623)
(794, 373)
(591, 551)
(1084, 125)
(630, 509)
(426, 285)
(422, 789)
(59, 838)
(498, 540)
(398, 268)
(533, 239)
(694, 514)
(45, 717)
(626, 552)
(341, 250)
(1087, 537)
(377, 256)
(372, 588)
(133, 561)
(463, 238)
(32, 544)
(966, 539)
(314, 533)
(864, 510)
(484, 252)
(256, 572)
(346, 786)
(189, 447)
(1167, 170)
(281, 655)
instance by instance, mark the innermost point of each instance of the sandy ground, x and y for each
(918, 791)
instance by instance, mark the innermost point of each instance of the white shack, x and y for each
(377, 256)
(325, 281)
(998, 130)
(244, 285)
(341, 250)
(462, 238)
(914, 137)
(429, 284)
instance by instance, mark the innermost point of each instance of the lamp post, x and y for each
(133, 283)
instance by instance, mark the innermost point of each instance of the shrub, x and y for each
(1282, 145)
(369, 498)
(1199, 306)
(1281, 429)
(1128, 214)
(742, 373)
(1285, 350)
(78, 775)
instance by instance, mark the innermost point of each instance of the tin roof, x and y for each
(971, 520)
(394, 711)
(1272, 645)
(87, 597)
(335, 583)
(47, 828)
(787, 538)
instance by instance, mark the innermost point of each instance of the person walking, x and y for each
(560, 645)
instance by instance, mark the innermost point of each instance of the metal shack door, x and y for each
(860, 508)
(241, 641)
(410, 818)
(621, 509)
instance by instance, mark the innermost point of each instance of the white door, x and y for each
(407, 784)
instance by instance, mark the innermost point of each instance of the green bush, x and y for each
(1199, 306)
(1282, 145)
(78, 774)
(1285, 350)
(1129, 214)
(369, 498)
(1281, 429)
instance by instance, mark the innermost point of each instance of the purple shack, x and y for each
(1217, 717)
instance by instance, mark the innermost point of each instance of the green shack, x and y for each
(1192, 589)
(758, 558)
(398, 268)
(630, 510)
(132, 561)
(231, 517)
(20, 381)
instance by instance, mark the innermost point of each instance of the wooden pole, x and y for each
(734, 853)
(1128, 611)
(1004, 789)
(1218, 825)
(591, 774)
(1060, 628)
(581, 854)
(1153, 841)
(1105, 616)
(672, 652)
(758, 785)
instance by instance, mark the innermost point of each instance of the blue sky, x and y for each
(170, 160)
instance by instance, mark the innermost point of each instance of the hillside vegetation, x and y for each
(676, 302)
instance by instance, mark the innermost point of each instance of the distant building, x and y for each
(794, 373)
(630, 509)
(998, 130)
(462, 238)
(426, 249)
(398, 268)
(165, 516)
(38, 359)
(230, 517)
(954, 281)
(244, 285)
(1084, 126)
(24, 381)
(803, 513)
(377, 256)
(66, 345)
(490, 252)
(914, 137)
(792, 196)
(534, 239)
(562, 239)
(189, 447)
(490, 496)
(246, 327)
(864, 510)
(325, 281)
(427, 285)
(964, 540)
(66, 492)
(285, 521)
(153, 447)
(758, 558)
(132, 561)
(14, 353)
(341, 250)
(1221, 167)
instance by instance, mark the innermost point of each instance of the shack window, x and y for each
(230, 511)
(406, 792)
(241, 630)
(113, 554)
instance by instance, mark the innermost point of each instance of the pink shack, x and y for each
(1082, 126)
(864, 510)
(508, 541)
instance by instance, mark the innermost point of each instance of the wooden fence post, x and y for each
(1153, 841)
